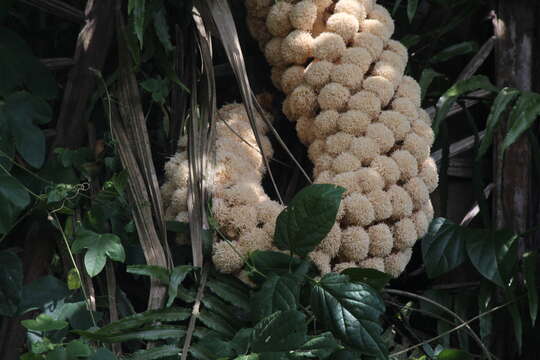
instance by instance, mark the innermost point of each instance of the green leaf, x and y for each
(154, 271)
(21, 112)
(44, 323)
(178, 274)
(372, 277)
(158, 87)
(427, 77)
(450, 52)
(272, 262)
(276, 293)
(131, 322)
(160, 332)
(73, 280)
(162, 29)
(11, 282)
(351, 311)
(217, 323)
(100, 246)
(529, 272)
(158, 352)
(241, 340)
(218, 306)
(523, 115)
(318, 347)
(42, 292)
(412, 5)
(104, 354)
(230, 294)
(137, 9)
(443, 247)
(14, 199)
(453, 354)
(281, 331)
(211, 348)
(19, 68)
(77, 348)
(513, 309)
(451, 95)
(487, 251)
(308, 218)
(500, 104)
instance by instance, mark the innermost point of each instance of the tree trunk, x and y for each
(513, 209)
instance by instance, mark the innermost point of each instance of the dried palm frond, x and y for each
(201, 138)
(132, 142)
(218, 14)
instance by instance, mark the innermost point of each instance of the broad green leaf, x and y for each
(427, 77)
(454, 354)
(153, 333)
(178, 274)
(451, 95)
(77, 348)
(162, 28)
(22, 111)
(281, 331)
(14, 199)
(247, 357)
(523, 115)
(11, 282)
(352, 311)
(412, 5)
(317, 347)
(44, 323)
(217, 323)
(372, 277)
(19, 68)
(272, 262)
(158, 87)
(137, 9)
(276, 293)
(211, 348)
(450, 52)
(308, 218)
(500, 104)
(443, 247)
(100, 246)
(230, 294)
(242, 340)
(158, 352)
(154, 271)
(131, 322)
(529, 272)
(487, 251)
(104, 354)
(218, 306)
(59, 353)
(41, 292)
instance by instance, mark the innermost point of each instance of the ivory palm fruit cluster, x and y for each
(239, 204)
(343, 77)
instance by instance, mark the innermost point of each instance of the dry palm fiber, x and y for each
(361, 120)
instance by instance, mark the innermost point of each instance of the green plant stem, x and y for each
(464, 324)
(87, 300)
(447, 310)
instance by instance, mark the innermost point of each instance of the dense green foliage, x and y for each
(72, 209)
